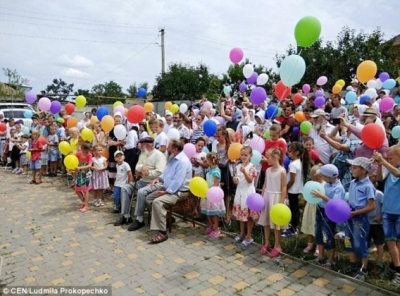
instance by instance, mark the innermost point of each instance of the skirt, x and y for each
(82, 183)
(308, 222)
(100, 180)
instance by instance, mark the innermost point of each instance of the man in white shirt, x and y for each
(323, 148)
(178, 124)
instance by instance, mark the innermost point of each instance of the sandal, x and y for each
(265, 249)
(274, 253)
(209, 230)
(101, 203)
(32, 182)
(158, 238)
(39, 182)
(83, 210)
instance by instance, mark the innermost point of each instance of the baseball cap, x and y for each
(19, 121)
(318, 112)
(363, 162)
(118, 152)
(146, 140)
(328, 170)
(60, 120)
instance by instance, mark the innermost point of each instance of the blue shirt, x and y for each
(392, 199)
(177, 174)
(378, 207)
(333, 190)
(360, 192)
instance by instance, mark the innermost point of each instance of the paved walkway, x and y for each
(45, 241)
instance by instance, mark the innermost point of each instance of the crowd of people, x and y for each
(152, 168)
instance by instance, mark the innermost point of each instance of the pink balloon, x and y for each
(322, 80)
(189, 149)
(236, 55)
(306, 88)
(386, 104)
(207, 104)
(257, 143)
(44, 104)
(120, 109)
(215, 194)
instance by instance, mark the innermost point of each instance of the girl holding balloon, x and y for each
(83, 176)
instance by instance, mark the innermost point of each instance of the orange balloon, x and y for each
(234, 151)
(297, 99)
(366, 71)
(299, 116)
(337, 88)
(126, 112)
(94, 119)
(107, 123)
(148, 107)
(106, 154)
(282, 91)
(167, 105)
(71, 122)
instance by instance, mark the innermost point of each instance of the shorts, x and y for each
(357, 235)
(376, 233)
(35, 164)
(391, 227)
(59, 155)
(324, 229)
(45, 159)
(53, 156)
(23, 160)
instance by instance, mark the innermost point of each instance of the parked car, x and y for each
(17, 114)
(16, 106)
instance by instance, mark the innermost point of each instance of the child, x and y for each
(124, 176)
(308, 221)
(273, 191)
(210, 209)
(391, 207)
(23, 148)
(362, 201)
(45, 159)
(244, 179)
(14, 151)
(298, 170)
(308, 143)
(83, 176)
(36, 162)
(99, 178)
(199, 165)
(52, 143)
(325, 228)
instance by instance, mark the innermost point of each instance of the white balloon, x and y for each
(173, 134)
(371, 92)
(120, 132)
(248, 70)
(183, 108)
(378, 84)
(220, 77)
(262, 79)
(371, 83)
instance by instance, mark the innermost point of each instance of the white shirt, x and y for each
(296, 167)
(122, 174)
(167, 127)
(131, 140)
(161, 140)
(198, 169)
(25, 146)
(323, 148)
(184, 131)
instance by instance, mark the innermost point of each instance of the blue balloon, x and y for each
(308, 188)
(256, 158)
(364, 99)
(396, 132)
(205, 150)
(271, 111)
(101, 112)
(286, 162)
(397, 99)
(210, 128)
(351, 97)
(292, 69)
(389, 84)
(141, 93)
(28, 114)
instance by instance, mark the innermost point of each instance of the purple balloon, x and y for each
(319, 93)
(386, 104)
(242, 87)
(220, 119)
(295, 131)
(306, 88)
(30, 97)
(253, 78)
(319, 102)
(55, 107)
(258, 95)
(255, 202)
(337, 210)
(384, 76)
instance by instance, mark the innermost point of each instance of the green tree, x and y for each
(108, 92)
(16, 83)
(133, 88)
(58, 90)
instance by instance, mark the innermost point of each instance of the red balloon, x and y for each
(136, 114)
(373, 136)
(69, 108)
(282, 91)
(3, 127)
(297, 99)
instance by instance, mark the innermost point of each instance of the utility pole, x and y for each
(162, 31)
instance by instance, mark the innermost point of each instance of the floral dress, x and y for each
(83, 177)
(210, 208)
(240, 210)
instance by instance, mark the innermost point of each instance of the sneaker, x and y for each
(215, 234)
(95, 201)
(123, 221)
(329, 265)
(388, 273)
(361, 275)
(116, 211)
(396, 279)
(101, 203)
(340, 235)
(319, 261)
(238, 239)
(288, 233)
(19, 171)
(309, 248)
(136, 225)
(247, 243)
(349, 269)
(316, 253)
(372, 249)
(14, 170)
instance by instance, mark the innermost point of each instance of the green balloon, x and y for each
(307, 31)
(279, 112)
(267, 135)
(305, 127)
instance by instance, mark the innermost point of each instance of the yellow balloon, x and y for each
(28, 155)
(234, 151)
(117, 103)
(167, 105)
(71, 162)
(341, 82)
(87, 134)
(148, 107)
(199, 187)
(94, 119)
(280, 214)
(64, 147)
(366, 71)
(80, 101)
(107, 123)
(174, 108)
(336, 89)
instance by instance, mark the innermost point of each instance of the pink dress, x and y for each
(83, 177)
(99, 179)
